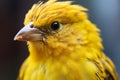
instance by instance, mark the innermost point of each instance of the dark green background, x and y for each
(104, 13)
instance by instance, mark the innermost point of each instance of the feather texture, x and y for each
(74, 52)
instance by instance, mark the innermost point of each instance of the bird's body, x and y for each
(63, 45)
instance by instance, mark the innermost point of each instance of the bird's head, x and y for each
(55, 25)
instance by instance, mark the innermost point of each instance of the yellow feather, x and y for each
(75, 52)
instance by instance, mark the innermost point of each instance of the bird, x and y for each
(63, 44)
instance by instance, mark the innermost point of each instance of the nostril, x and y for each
(31, 26)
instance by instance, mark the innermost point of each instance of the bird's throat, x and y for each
(38, 50)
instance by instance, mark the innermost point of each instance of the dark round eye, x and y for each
(55, 25)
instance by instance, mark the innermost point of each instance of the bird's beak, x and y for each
(29, 33)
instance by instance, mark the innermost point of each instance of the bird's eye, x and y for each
(55, 25)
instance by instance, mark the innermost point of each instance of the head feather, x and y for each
(42, 14)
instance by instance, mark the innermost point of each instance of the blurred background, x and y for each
(104, 13)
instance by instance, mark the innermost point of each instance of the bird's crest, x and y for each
(42, 14)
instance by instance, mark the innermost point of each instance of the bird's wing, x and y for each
(106, 69)
(109, 69)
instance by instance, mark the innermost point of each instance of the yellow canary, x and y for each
(63, 44)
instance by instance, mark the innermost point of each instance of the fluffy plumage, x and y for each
(72, 52)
